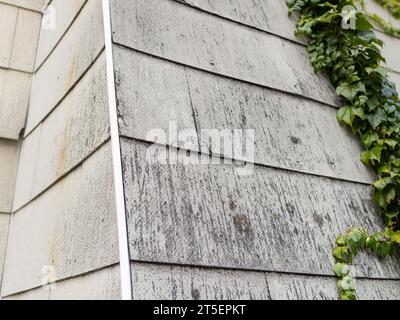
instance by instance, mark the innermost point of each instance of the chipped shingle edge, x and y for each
(125, 268)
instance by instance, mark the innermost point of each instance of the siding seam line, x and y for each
(256, 270)
(64, 96)
(49, 54)
(125, 268)
(256, 164)
(64, 279)
(17, 209)
(19, 7)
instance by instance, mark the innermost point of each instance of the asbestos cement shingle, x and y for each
(75, 129)
(4, 221)
(9, 151)
(72, 227)
(67, 11)
(36, 5)
(71, 58)
(290, 132)
(270, 220)
(25, 40)
(14, 98)
(8, 21)
(298, 287)
(162, 282)
(198, 39)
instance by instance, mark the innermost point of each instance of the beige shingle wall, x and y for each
(63, 210)
(18, 42)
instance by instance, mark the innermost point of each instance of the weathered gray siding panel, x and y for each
(76, 128)
(9, 151)
(290, 132)
(72, 227)
(161, 282)
(191, 37)
(272, 220)
(272, 16)
(151, 93)
(71, 58)
(378, 290)
(268, 15)
(297, 287)
(158, 281)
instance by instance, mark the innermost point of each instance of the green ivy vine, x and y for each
(352, 57)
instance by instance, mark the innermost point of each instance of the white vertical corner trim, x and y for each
(124, 259)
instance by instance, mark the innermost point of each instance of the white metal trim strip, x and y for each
(125, 270)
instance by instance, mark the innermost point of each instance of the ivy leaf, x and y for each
(389, 90)
(348, 295)
(346, 284)
(382, 183)
(374, 154)
(362, 23)
(341, 269)
(372, 103)
(342, 254)
(369, 138)
(379, 70)
(345, 115)
(392, 214)
(395, 237)
(384, 197)
(390, 142)
(350, 91)
(375, 119)
(384, 249)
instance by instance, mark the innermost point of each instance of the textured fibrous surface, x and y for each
(154, 281)
(272, 220)
(76, 128)
(67, 12)
(195, 231)
(9, 151)
(71, 227)
(291, 132)
(191, 37)
(103, 284)
(64, 208)
(229, 64)
(162, 282)
(4, 220)
(71, 58)
(36, 5)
